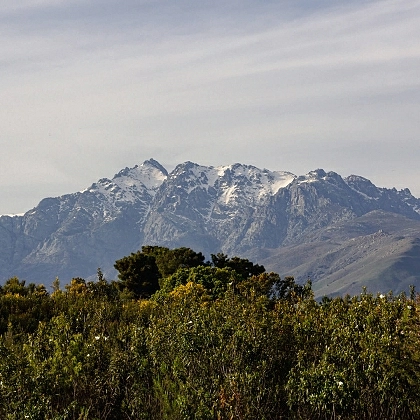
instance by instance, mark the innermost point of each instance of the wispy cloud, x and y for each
(88, 88)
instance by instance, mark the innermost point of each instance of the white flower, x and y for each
(339, 383)
(381, 296)
(409, 306)
(97, 337)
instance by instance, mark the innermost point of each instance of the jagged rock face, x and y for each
(236, 209)
(68, 236)
(225, 208)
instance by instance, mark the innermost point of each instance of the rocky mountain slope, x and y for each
(343, 233)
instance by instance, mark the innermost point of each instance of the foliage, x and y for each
(169, 261)
(215, 280)
(242, 266)
(138, 274)
(212, 343)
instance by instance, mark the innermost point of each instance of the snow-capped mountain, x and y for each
(212, 208)
(238, 209)
(67, 236)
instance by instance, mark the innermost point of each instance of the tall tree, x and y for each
(169, 261)
(138, 274)
(242, 266)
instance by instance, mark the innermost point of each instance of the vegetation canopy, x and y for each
(176, 337)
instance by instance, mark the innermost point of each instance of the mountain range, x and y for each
(342, 233)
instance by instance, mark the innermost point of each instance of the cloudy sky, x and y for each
(88, 87)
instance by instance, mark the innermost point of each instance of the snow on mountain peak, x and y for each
(233, 180)
(127, 183)
(131, 185)
(149, 174)
(312, 176)
(281, 179)
(236, 185)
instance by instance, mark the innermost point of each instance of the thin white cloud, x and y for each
(88, 91)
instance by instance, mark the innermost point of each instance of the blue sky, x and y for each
(89, 87)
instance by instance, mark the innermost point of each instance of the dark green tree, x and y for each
(242, 266)
(169, 261)
(288, 289)
(138, 274)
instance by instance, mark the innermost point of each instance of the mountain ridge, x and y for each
(236, 209)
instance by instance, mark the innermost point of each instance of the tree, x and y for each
(77, 286)
(101, 288)
(169, 261)
(15, 286)
(138, 274)
(215, 280)
(288, 289)
(242, 266)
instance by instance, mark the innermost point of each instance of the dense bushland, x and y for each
(216, 340)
